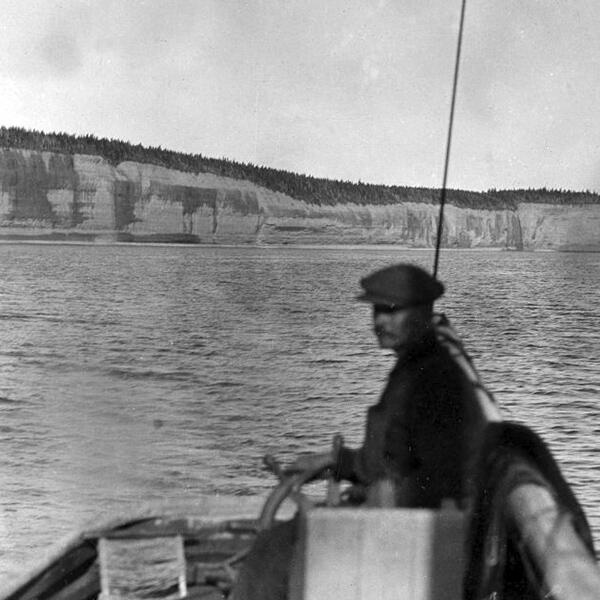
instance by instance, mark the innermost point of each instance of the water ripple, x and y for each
(165, 373)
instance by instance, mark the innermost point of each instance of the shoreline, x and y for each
(87, 240)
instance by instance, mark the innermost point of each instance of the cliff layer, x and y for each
(61, 196)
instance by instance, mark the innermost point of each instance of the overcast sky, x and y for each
(344, 89)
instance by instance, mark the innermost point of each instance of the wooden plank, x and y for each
(57, 573)
(85, 587)
(181, 566)
(166, 528)
(379, 554)
(232, 512)
(569, 570)
(136, 568)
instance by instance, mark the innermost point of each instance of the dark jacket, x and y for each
(424, 431)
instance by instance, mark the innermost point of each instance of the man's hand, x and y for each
(316, 462)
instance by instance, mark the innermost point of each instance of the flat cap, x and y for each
(400, 285)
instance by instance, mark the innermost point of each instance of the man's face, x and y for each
(397, 327)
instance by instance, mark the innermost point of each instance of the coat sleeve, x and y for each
(366, 464)
(345, 467)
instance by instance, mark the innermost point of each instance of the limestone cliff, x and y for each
(567, 228)
(60, 196)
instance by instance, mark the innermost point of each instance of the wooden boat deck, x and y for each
(212, 544)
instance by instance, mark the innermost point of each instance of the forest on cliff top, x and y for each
(312, 190)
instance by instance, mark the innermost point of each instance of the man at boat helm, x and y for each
(416, 451)
(416, 445)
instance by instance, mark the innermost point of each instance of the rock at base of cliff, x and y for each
(159, 238)
(579, 248)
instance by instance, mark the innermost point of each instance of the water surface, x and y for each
(132, 374)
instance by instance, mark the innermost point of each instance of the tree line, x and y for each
(546, 196)
(313, 190)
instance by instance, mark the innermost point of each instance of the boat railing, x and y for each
(550, 545)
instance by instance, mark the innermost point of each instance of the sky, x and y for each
(356, 90)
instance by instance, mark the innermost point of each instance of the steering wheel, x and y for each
(290, 487)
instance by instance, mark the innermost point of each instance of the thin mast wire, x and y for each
(449, 141)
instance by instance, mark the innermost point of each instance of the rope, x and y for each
(449, 141)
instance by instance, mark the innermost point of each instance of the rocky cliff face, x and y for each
(566, 228)
(61, 196)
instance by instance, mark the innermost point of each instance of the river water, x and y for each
(132, 374)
